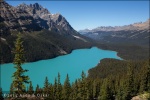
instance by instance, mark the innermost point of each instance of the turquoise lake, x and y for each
(73, 64)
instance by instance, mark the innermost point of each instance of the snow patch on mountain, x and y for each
(79, 38)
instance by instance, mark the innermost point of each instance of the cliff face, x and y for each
(32, 17)
(16, 19)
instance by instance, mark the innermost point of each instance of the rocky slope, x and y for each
(52, 21)
(137, 33)
(13, 19)
(32, 17)
(45, 35)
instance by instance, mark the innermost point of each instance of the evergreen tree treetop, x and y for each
(19, 79)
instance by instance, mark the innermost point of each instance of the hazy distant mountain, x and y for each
(84, 31)
(45, 35)
(137, 33)
(135, 26)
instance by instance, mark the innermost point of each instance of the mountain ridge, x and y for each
(53, 20)
(134, 26)
(33, 17)
(45, 35)
(135, 34)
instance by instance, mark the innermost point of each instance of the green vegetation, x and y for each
(127, 51)
(122, 87)
(41, 45)
(46, 44)
(30, 90)
(110, 80)
(126, 78)
(1, 94)
(66, 89)
(145, 95)
(19, 79)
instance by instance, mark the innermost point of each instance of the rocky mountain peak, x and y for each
(4, 5)
(16, 18)
(142, 25)
(25, 15)
(57, 17)
(61, 21)
(22, 6)
(34, 9)
(3, 2)
(36, 6)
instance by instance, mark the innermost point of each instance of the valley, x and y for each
(133, 38)
(103, 63)
(72, 64)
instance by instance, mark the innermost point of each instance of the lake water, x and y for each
(73, 64)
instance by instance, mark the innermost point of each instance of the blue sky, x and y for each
(91, 14)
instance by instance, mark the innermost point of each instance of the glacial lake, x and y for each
(73, 64)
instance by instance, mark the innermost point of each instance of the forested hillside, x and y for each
(117, 79)
(45, 35)
(30, 33)
(42, 45)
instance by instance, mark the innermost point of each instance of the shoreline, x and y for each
(67, 54)
(117, 54)
(51, 57)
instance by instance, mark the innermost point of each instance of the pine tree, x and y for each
(105, 92)
(94, 89)
(19, 79)
(46, 89)
(55, 88)
(148, 77)
(145, 79)
(50, 92)
(46, 85)
(130, 83)
(1, 94)
(88, 93)
(59, 89)
(66, 88)
(74, 93)
(30, 90)
(82, 87)
(37, 90)
(120, 90)
(111, 87)
(11, 89)
(143, 84)
(83, 76)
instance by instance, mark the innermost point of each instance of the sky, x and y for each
(92, 14)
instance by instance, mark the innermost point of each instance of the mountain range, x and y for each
(137, 34)
(135, 26)
(48, 35)
(45, 35)
(32, 17)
